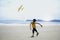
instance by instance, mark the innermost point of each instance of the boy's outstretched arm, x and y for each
(39, 24)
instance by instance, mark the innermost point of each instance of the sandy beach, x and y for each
(23, 32)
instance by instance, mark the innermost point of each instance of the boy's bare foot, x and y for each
(32, 36)
(37, 34)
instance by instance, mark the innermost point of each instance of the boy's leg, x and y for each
(36, 31)
(32, 33)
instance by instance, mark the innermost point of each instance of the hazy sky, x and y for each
(39, 9)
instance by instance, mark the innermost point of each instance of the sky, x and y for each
(38, 9)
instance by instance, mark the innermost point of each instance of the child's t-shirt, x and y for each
(33, 25)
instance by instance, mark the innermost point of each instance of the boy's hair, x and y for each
(34, 20)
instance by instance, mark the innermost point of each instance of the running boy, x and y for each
(33, 24)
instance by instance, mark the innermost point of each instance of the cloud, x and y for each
(39, 9)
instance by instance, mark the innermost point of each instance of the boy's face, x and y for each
(34, 20)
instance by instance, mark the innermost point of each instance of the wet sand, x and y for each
(23, 32)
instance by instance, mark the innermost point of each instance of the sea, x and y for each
(27, 22)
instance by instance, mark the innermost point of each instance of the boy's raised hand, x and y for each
(41, 26)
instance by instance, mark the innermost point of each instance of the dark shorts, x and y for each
(34, 29)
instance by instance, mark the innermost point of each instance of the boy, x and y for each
(33, 24)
